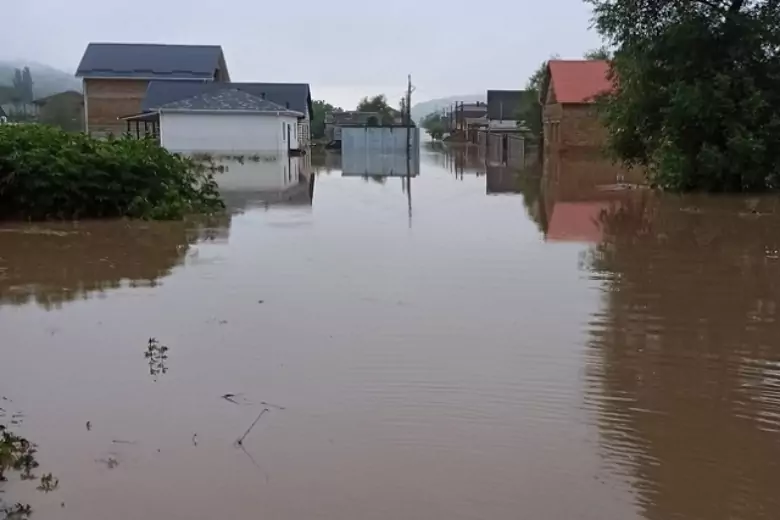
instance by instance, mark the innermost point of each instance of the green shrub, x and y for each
(47, 173)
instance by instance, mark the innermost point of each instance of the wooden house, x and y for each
(64, 109)
(116, 76)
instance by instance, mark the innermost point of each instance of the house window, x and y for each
(283, 133)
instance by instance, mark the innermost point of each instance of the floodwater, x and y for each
(472, 343)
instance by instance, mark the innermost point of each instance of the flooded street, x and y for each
(472, 343)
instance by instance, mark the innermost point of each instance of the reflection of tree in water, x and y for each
(57, 263)
(687, 377)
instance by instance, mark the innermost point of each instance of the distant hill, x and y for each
(424, 108)
(46, 80)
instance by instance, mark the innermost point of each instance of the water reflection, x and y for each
(56, 263)
(465, 367)
(684, 368)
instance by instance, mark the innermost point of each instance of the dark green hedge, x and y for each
(47, 173)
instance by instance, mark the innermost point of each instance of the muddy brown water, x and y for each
(493, 347)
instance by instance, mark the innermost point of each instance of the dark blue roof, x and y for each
(146, 60)
(226, 99)
(292, 96)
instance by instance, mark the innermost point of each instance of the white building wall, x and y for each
(379, 150)
(189, 132)
(503, 124)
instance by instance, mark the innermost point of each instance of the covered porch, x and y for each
(143, 125)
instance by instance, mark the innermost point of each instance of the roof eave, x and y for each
(288, 113)
(87, 75)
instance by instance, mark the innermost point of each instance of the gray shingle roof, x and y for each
(507, 104)
(146, 60)
(226, 99)
(292, 96)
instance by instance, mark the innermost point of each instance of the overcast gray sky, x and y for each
(345, 49)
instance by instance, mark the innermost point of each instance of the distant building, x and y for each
(225, 121)
(116, 76)
(505, 107)
(3, 116)
(336, 121)
(468, 118)
(64, 109)
(19, 110)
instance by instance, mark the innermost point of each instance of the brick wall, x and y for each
(109, 99)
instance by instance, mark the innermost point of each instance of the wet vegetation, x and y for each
(696, 99)
(47, 173)
(17, 455)
(157, 356)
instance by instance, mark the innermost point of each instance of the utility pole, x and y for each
(408, 116)
(409, 90)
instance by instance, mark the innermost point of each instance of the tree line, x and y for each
(378, 104)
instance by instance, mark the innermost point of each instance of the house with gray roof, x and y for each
(220, 120)
(116, 77)
(291, 96)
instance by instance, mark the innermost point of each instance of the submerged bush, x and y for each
(47, 173)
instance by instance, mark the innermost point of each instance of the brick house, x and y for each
(574, 137)
(116, 76)
(569, 94)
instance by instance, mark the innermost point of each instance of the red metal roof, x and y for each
(579, 81)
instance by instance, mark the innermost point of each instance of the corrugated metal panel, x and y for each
(379, 151)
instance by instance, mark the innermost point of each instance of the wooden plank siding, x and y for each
(106, 100)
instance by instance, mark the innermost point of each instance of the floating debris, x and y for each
(240, 440)
(194, 439)
(89, 426)
(110, 462)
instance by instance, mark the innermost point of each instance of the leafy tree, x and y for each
(378, 104)
(19, 88)
(435, 125)
(27, 82)
(23, 86)
(321, 110)
(531, 112)
(602, 53)
(696, 101)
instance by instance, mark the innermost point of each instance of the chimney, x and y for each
(287, 104)
(262, 95)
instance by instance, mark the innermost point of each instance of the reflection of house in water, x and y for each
(502, 179)
(380, 151)
(246, 182)
(578, 193)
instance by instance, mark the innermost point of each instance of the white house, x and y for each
(228, 122)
